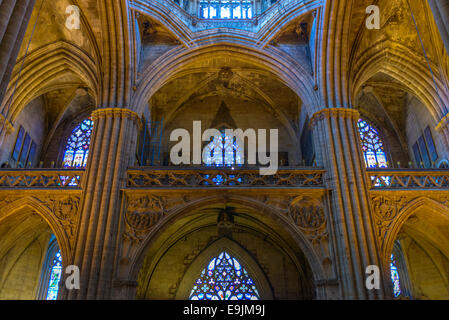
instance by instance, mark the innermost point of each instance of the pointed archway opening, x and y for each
(30, 258)
(419, 259)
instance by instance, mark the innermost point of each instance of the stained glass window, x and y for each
(77, 147)
(55, 276)
(395, 277)
(226, 9)
(372, 146)
(224, 278)
(223, 151)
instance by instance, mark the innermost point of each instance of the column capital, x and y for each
(334, 113)
(122, 113)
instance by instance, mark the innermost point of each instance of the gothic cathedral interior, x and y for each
(224, 149)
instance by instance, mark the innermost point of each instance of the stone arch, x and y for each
(233, 248)
(43, 65)
(176, 61)
(38, 207)
(267, 25)
(433, 210)
(269, 105)
(27, 227)
(404, 66)
(136, 261)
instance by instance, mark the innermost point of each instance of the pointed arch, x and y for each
(136, 261)
(43, 211)
(268, 25)
(403, 65)
(278, 64)
(432, 206)
(41, 67)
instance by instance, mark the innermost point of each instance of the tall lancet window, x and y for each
(77, 147)
(395, 277)
(226, 9)
(55, 276)
(224, 278)
(372, 146)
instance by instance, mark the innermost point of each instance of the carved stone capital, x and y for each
(334, 113)
(121, 113)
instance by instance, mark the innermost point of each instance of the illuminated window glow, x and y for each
(224, 278)
(223, 152)
(226, 9)
(372, 146)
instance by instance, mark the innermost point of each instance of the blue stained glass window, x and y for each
(223, 151)
(395, 277)
(55, 277)
(373, 150)
(372, 146)
(224, 278)
(77, 147)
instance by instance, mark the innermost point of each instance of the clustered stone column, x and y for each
(14, 18)
(335, 133)
(112, 150)
(440, 10)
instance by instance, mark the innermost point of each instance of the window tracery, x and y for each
(224, 278)
(372, 146)
(77, 146)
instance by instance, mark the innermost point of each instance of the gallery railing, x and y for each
(175, 177)
(424, 179)
(41, 178)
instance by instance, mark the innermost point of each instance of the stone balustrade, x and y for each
(169, 178)
(41, 178)
(423, 179)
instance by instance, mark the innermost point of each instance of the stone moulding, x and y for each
(334, 112)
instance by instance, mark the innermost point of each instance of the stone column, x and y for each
(112, 150)
(14, 18)
(440, 10)
(336, 136)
